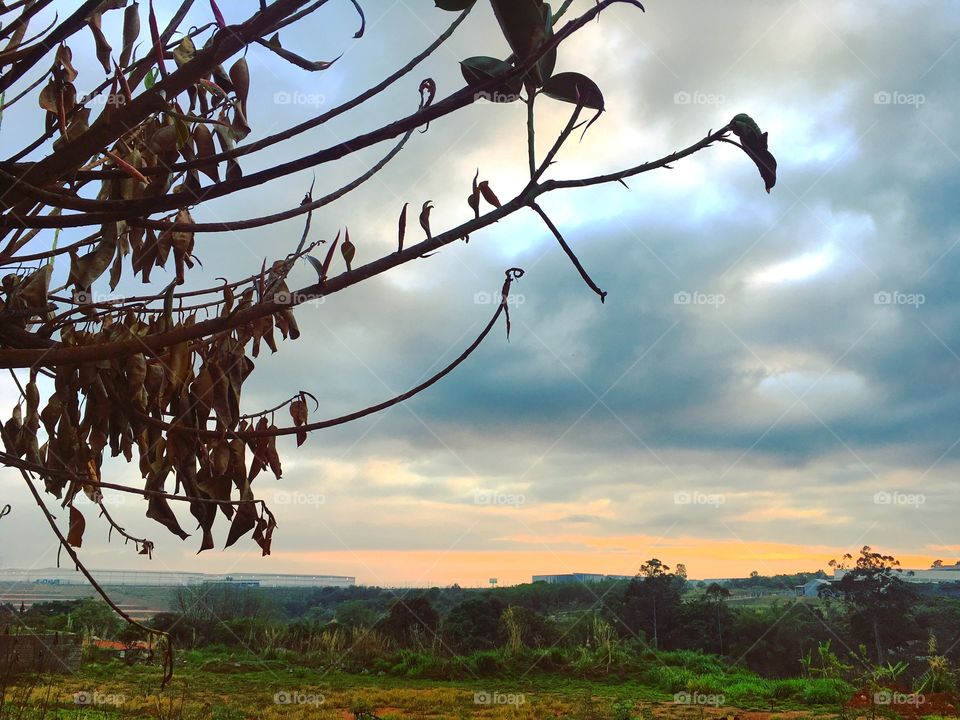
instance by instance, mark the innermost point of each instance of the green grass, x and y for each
(232, 686)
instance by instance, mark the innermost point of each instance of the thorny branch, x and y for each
(158, 378)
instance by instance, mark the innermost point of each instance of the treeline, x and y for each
(872, 615)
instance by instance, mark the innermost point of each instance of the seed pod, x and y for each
(240, 77)
(131, 31)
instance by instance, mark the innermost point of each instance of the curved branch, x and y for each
(138, 542)
(312, 123)
(67, 28)
(569, 251)
(232, 225)
(95, 138)
(512, 275)
(107, 129)
(52, 353)
(51, 520)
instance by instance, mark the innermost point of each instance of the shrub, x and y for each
(692, 660)
(485, 663)
(748, 691)
(668, 679)
(785, 689)
(826, 692)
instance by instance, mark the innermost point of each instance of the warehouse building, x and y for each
(578, 578)
(154, 578)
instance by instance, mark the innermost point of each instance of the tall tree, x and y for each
(715, 596)
(650, 601)
(878, 598)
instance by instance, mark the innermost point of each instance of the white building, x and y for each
(154, 578)
(578, 578)
(945, 574)
(811, 588)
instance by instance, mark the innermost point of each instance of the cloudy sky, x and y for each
(773, 380)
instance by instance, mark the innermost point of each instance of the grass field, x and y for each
(235, 689)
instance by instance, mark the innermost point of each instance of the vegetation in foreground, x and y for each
(231, 686)
(656, 644)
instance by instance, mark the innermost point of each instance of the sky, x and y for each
(772, 382)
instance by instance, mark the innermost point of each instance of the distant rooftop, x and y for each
(578, 577)
(159, 578)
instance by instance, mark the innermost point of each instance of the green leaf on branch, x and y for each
(575, 88)
(455, 5)
(481, 69)
(754, 143)
(549, 61)
(524, 25)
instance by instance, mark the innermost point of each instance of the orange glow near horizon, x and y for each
(614, 556)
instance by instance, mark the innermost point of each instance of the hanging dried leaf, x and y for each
(77, 526)
(218, 16)
(33, 290)
(244, 521)
(131, 31)
(488, 194)
(181, 242)
(157, 42)
(86, 269)
(103, 48)
(402, 230)
(184, 52)
(425, 218)
(159, 509)
(240, 78)
(298, 411)
(65, 58)
(203, 140)
(348, 250)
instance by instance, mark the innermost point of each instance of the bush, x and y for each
(709, 684)
(748, 691)
(668, 679)
(485, 663)
(417, 665)
(692, 660)
(826, 692)
(785, 689)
